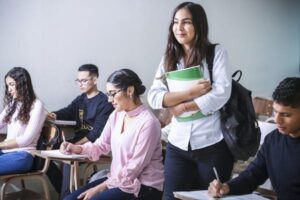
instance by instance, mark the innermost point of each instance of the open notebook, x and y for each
(57, 154)
(202, 195)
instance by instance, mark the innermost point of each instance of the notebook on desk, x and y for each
(57, 154)
(203, 195)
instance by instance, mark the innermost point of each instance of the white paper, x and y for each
(193, 195)
(203, 195)
(57, 154)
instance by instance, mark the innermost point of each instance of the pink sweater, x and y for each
(137, 153)
(26, 135)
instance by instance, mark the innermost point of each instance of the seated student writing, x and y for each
(24, 116)
(132, 134)
(278, 158)
(90, 110)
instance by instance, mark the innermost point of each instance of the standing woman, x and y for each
(132, 134)
(195, 146)
(24, 115)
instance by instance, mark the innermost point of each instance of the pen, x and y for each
(216, 174)
(63, 136)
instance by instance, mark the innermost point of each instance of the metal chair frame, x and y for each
(49, 131)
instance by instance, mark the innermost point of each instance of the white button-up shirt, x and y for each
(205, 131)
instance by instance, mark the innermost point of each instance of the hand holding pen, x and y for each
(64, 147)
(216, 187)
(69, 148)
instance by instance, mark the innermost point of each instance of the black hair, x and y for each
(25, 95)
(174, 50)
(125, 78)
(91, 68)
(287, 92)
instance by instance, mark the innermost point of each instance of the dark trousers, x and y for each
(193, 170)
(55, 176)
(146, 193)
(65, 187)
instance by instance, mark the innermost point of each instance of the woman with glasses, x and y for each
(196, 142)
(132, 134)
(24, 116)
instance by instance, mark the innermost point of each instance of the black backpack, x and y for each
(238, 121)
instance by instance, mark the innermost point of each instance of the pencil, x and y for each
(63, 136)
(216, 174)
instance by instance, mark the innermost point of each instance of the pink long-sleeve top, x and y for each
(26, 135)
(136, 153)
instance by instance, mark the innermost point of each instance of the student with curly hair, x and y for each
(24, 116)
(278, 158)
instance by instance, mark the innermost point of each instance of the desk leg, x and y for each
(71, 177)
(76, 174)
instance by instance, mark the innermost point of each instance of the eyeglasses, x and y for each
(113, 93)
(82, 81)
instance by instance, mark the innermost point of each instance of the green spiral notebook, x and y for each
(182, 80)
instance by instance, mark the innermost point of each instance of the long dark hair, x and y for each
(25, 95)
(125, 78)
(174, 50)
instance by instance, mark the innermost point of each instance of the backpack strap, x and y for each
(210, 55)
(239, 73)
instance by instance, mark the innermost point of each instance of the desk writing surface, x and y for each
(65, 123)
(57, 154)
(203, 195)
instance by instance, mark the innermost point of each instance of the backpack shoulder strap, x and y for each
(210, 55)
(237, 73)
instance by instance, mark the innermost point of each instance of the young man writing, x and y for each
(278, 158)
(90, 110)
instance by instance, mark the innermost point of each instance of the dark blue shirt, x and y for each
(279, 160)
(90, 115)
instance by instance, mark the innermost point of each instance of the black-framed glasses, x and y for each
(112, 94)
(82, 81)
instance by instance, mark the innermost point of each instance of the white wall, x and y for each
(52, 38)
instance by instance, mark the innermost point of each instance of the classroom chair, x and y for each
(263, 108)
(47, 138)
(92, 167)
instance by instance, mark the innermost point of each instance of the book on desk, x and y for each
(203, 195)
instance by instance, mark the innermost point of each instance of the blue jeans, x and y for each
(146, 193)
(15, 162)
(193, 169)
